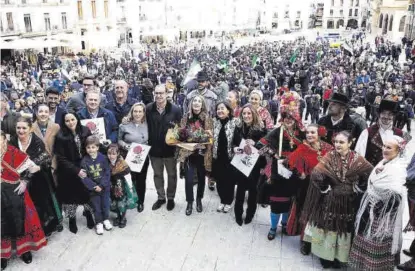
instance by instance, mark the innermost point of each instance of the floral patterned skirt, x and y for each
(128, 200)
(328, 245)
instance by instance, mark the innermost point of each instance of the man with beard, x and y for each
(338, 118)
(210, 97)
(371, 140)
(122, 103)
(55, 111)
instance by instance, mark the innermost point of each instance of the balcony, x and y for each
(121, 20)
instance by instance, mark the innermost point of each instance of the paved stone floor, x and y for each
(163, 240)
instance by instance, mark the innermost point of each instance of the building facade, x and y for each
(287, 15)
(38, 24)
(390, 18)
(339, 14)
(96, 24)
(410, 21)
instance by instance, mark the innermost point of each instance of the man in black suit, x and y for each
(56, 112)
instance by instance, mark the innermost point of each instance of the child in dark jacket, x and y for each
(98, 182)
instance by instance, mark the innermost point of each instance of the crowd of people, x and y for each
(327, 125)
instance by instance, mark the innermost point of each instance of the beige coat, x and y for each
(49, 138)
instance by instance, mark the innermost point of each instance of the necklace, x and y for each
(318, 149)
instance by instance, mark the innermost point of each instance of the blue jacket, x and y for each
(362, 79)
(111, 126)
(98, 171)
(120, 111)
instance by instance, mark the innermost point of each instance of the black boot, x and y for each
(117, 220)
(248, 218)
(4, 263)
(59, 228)
(325, 263)
(305, 248)
(239, 220)
(140, 207)
(27, 257)
(284, 228)
(189, 208)
(123, 221)
(199, 206)
(89, 220)
(72, 225)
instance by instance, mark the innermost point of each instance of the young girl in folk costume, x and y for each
(280, 143)
(123, 194)
(302, 162)
(255, 99)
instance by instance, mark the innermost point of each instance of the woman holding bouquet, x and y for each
(251, 129)
(302, 162)
(134, 129)
(222, 152)
(196, 127)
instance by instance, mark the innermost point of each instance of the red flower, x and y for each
(197, 125)
(321, 131)
(137, 149)
(91, 126)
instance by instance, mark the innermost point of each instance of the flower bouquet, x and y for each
(189, 138)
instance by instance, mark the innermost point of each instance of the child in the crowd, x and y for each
(123, 192)
(97, 181)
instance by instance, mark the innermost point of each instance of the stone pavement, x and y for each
(163, 240)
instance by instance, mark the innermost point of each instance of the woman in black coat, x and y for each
(69, 150)
(250, 129)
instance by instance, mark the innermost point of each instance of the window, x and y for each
(10, 25)
(350, 12)
(391, 23)
(402, 24)
(7, 2)
(380, 20)
(47, 21)
(94, 9)
(356, 12)
(351, 3)
(331, 12)
(330, 24)
(287, 14)
(64, 21)
(332, 3)
(24, 2)
(341, 2)
(45, 1)
(106, 8)
(341, 12)
(27, 23)
(357, 3)
(298, 14)
(80, 13)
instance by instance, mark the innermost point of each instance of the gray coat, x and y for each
(210, 99)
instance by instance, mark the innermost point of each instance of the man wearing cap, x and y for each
(338, 119)
(210, 97)
(370, 142)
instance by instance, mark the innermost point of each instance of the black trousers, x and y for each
(368, 110)
(325, 106)
(240, 198)
(139, 180)
(194, 162)
(226, 191)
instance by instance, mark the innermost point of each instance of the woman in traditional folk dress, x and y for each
(379, 221)
(336, 186)
(302, 162)
(20, 223)
(255, 99)
(280, 143)
(42, 188)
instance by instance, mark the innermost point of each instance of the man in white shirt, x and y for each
(371, 140)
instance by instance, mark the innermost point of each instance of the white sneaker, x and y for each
(99, 229)
(220, 208)
(107, 225)
(226, 208)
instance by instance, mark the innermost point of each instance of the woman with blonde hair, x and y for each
(196, 126)
(255, 99)
(250, 129)
(134, 129)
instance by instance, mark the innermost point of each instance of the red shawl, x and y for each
(305, 158)
(12, 164)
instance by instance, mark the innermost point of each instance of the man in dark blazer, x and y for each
(56, 112)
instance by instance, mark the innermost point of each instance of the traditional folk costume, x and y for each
(380, 217)
(263, 112)
(123, 194)
(370, 142)
(19, 219)
(281, 142)
(42, 187)
(331, 204)
(302, 161)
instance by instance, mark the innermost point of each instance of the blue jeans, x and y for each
(101, 204)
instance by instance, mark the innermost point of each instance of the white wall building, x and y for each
(390, 18)
(340, 14)
(96, 23)
(37, 24)
(287, 14)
